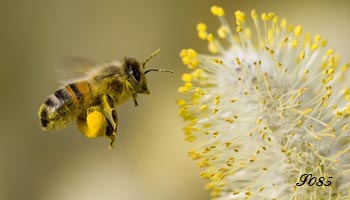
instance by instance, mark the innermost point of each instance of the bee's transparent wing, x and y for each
(78, 68)
(74, 68)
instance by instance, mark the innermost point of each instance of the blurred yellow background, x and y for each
(150, 160)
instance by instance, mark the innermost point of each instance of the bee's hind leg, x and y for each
(109, 111)
(110, 131)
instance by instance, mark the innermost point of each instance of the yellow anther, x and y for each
(217, 11)
(307, 111)
(217, 100)
(302, 55)
(270, 15)
(197, 74)
(198, 90)
(314, 46)
(206, 132)
(259, 121)
(190, 138)
(182, 90)
(181, 102)
(186, 77)
(186, 60)
(332, 61)
(347, 109)
(285, 39)
(222, 32)
(323, 43)
(339, 113)
(217, 61)
(254, 15)
(271, 51)
(183, 53)
(295, 43)
(229, 120)
(193, 64)
(194, 122)
(203, 107)
(317, 38)
(284, 23)
(298, 30)
(275, 20)
(240, 17)
(235, 193)
(347, 97)
(212, 47)
(188, 86)
(345, 67)
(201, 27)
(239, 29)
(330, 71)
(330, 52)
(265, 76)
(210, 37)
(345, 127)
(191, 52)
(188, 130)
(301, 91)
(238, 61)
(299, 122)
(189, 58)
(202, 35)
(264, 17)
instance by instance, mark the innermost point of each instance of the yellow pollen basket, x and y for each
(94, 125)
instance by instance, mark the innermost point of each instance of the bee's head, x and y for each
(135, 75)
(136, 72)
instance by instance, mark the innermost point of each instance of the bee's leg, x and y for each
(110, 132)
(134, 96)
(109, 111)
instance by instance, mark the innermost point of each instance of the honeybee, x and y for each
(92, 101)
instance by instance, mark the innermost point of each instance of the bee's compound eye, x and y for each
(136, 74)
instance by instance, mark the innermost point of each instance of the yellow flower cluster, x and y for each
(268, 107)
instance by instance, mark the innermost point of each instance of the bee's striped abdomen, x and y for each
(64, 105)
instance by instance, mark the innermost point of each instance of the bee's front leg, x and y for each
(134, 96)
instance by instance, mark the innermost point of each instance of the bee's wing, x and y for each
(75, 68)
(78, 68)
(105, 70)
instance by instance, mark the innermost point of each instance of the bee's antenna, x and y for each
(150, 57)
(154, 70)
(158, 70)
